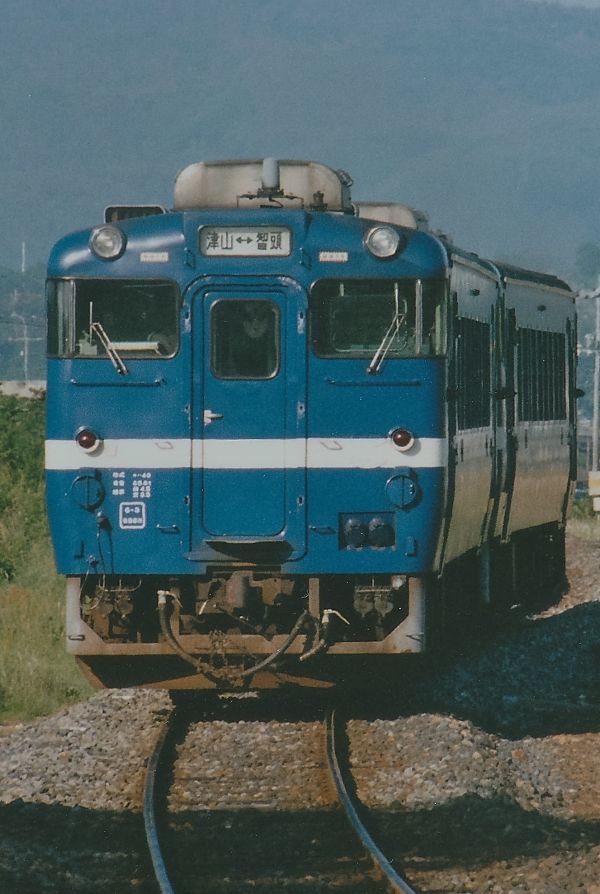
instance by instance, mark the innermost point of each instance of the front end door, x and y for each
(250, 417)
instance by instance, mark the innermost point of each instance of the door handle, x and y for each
(210, 416)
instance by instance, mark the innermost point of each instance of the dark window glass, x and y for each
(136, 319)
(523, 379)
(354, 318)
(61, 313)
(473, 373)
(245, 339)
(560, 375)
(541, 375)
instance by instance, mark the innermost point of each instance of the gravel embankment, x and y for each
(485, 779)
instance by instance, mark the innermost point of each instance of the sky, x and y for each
(590, 4)
(484, 113)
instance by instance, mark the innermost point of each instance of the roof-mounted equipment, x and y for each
(263, 183)
(115, 213)
(393, 213)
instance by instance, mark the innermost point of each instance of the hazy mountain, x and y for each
(483, 112)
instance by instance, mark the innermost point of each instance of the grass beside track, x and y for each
(36, 674)
(584, 523)
(585, 528)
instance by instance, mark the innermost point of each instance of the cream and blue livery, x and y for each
(289, 433)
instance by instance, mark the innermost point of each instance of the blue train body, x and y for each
(305, 424)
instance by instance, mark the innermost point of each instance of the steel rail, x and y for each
(394, 881)
(150, 815)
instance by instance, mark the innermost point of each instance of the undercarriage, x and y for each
(238, 629)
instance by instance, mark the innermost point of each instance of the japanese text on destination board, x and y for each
(245, 241)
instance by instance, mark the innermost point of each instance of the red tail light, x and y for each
(88, 440)
(402, 438)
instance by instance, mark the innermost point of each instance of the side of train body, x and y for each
(288, 435)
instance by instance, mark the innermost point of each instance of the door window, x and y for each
(245, 339)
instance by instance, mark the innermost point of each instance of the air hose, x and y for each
(201, 666)
(324, 640)
(270, 659)
(167, 630)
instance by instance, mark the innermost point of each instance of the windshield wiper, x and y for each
(98, 329)
(386, 343)
(393, 332)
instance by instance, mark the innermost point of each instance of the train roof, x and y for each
(510, 271)
(305, 186)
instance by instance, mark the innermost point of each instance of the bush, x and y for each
(582, 508)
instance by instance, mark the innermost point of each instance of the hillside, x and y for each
(483, 112)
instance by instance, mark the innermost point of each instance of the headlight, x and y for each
(108, 242)
(383, 242)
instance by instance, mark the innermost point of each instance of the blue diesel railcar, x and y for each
(289, 434)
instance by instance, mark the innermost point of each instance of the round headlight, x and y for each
(383, 242)
(108, 242)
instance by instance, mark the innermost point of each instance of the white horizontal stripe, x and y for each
(258, 453)
(374, 453)
(121, 453)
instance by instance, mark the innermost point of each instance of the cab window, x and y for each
(359, 318)
(88, 317)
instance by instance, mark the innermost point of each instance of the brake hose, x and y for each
(201, 666)
(294, 632)
(165, 626)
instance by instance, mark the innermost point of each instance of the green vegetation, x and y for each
(584, 522)
(36, 674)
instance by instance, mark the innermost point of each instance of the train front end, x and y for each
(246, 444)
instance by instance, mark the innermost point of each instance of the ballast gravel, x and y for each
(483, 777)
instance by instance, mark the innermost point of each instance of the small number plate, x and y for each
(132, 516)
(245, 242)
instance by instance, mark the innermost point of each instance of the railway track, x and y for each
(155, 803)
(394, 881)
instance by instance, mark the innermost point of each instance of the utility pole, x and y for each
(593, 347)
(26, 339)
(596, 386)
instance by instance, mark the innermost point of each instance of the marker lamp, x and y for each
(88, 440)
(383, 242)
(402, 438)
(107, 242)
